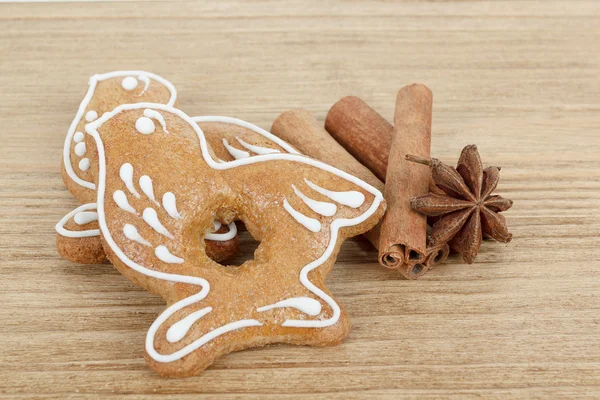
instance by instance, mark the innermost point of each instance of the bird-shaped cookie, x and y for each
(77, 232)
(190, 173)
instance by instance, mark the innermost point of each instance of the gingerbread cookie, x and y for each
(300, 209)
(105, 93)
(79, 243)
(78, 236)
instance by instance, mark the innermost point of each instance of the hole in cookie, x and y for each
(234, 252)
(247, 246)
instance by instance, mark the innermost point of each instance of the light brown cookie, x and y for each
(106, 92)
(300, 209)
(78, 236)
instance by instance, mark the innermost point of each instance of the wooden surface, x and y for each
(519, 78)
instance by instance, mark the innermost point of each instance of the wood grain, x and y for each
(519, 78)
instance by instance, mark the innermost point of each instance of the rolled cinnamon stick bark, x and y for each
(363, 132)
(299, 128)
(404, 231)
(351, 117)
(436, 255)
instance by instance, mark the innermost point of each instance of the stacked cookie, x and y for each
(161, 194)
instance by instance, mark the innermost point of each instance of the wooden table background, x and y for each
(519, 78)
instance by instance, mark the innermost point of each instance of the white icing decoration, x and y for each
(78, 137)
(222, 237)
(151, 218)
(239, 122)
(84, 164)
(146, 81)
(165, 255)
(320, 207)
(85, 217)
(80, 149)
(129, 83)
(196, 344)
(60, 226)
(157, 116)
(335, 226)
(170, 205)
(144, 125)
(257, 149)
(91, 116)
(146, 186)
(121, 199)
(217, 225)
(236, 153)
(132, 233)
(309, 223)
(179, 329)
(305, 304)
(126, 174)
(93, 82)
(351, 198)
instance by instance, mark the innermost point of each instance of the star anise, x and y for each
(465, 204)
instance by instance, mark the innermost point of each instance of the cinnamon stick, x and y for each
(363, 132)
(350, 118)
(436, 255)
(299, 128)
(404, 231)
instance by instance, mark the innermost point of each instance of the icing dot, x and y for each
(129, 83)
(78, 137)
(132, 233)
(144, 125)
(85, 217)
(179, 329)
(91, 116)
(84, 164)
(80, 149)
(165, 255)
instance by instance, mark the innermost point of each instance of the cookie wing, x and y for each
(234, 139)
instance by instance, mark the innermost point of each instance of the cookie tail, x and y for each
(78, 236)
